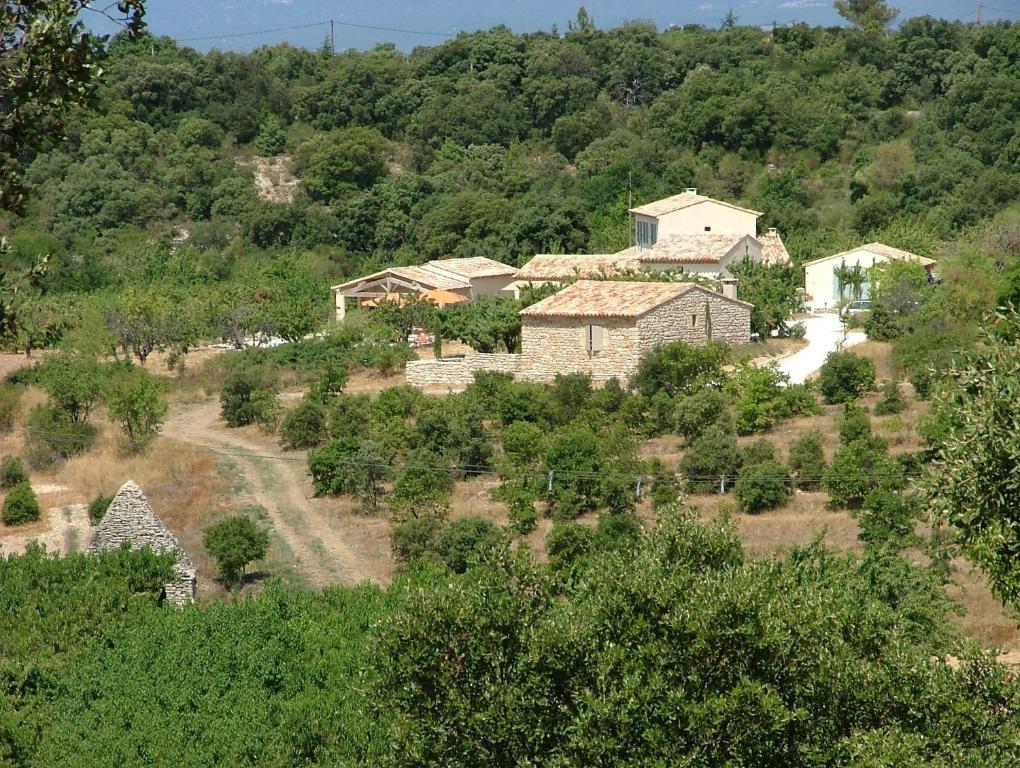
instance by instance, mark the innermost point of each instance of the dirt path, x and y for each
(330, 542)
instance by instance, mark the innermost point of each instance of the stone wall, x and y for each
(685, 319)
(131, 518)
(458, 372)
(552, 345)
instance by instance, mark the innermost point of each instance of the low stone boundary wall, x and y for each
(460, 371)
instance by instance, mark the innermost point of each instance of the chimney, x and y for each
(729, 287)
(772, 231)
(691, 190)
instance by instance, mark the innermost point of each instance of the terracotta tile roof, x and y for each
(773, 250)
(606, 298)
(683, 200)
(476, 266)
(882, 250)
(546, 266)
(686, 249)
(427, 278)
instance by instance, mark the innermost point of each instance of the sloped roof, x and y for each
(880, 249)
(548, 266)
(427, 278)
(607, 298)
(773, 250)
(683, 200)
(475, 266)
(131, 518)
(687, 249)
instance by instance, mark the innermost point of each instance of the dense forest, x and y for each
(150, 224)
(495, 144)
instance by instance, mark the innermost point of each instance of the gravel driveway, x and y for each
(824, 334)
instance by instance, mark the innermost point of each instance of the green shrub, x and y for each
(266, 408)
(20, 505)
(50, 437)
(415, 537)
(807, 461)
(713, 458)
(762, 486)
(854, 424)
(330, 385)
(10, 405)
(241, 403)
(134, 400)
(665, 488)
(680, 368)
(235, 542)
(468, 540)
(12, 472)
(845, 376)
(304, 426)
(887, 518)
(757, 452)
(764, 396)
(892, 400)
(98, 507)
(858, 469)
(693, 414)
(568, 545)
(617, 532)
(520, 502)
(350, 464)
(424, 481)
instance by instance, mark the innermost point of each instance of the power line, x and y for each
(330, 23)
(73, 441)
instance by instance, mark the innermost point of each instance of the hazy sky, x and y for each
(213, 19)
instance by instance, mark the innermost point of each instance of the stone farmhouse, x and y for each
(600, 328)
(823, 288)
(469, 278)
(130, 518)
(686, 233)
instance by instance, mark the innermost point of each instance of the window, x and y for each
(594, 337)
(708, 229)
(647, 233)
(694, 321)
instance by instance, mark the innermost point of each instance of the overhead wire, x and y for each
(375, 27)
(470, 470)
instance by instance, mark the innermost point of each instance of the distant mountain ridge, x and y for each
(214, 21)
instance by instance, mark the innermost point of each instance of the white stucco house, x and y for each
(822, 284)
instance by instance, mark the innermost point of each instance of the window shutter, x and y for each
(595, 336)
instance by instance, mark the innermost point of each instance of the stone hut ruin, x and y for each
(131, 518)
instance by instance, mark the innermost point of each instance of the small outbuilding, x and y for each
(844, 276)
(130, 518)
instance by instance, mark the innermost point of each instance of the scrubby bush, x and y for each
(241, 399)
(807, 461)
(568, 545)
(758, 451)
(134, 400)
(424, 481)
(10, 405)
(330, 384)
(234, 542)
(49, 437)
(761, 486)
(12, 472)
(415, 537)
(350, 464)
(892, 400)
(98, 507)
(845, 376)
(854, 424)
(468, 540)
(714, 458)
(693, 414)
(266, 409)
(617, 532)
(665, 484)
(887, 518)
(520, 502)
(304, 426)
(763, 396)
(20, 505)
(858, 469)
(680, 368)
(74, 384)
